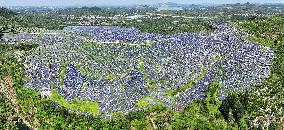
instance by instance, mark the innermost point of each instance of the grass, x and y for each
(151, 81)
(158, 68)
(150, 87)
(95, 74)
(140, 64)
(42, 52)
(83, 106)
(183, 88)
(82, 71)
(189, 84)
(110, 76)
(62, 74)
(84, 86)
(89, 44)
(219, 57)
(142, 102)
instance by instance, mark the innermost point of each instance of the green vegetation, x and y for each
(82, 11)
(109, 76)
(62, 74)
(83, 106)
(189, 84)
(169, 25)
(237, 111)
(183, 88)
(268, 95)
(203, 114)
(89, 44)
(219, 57)
(142, 102)
(48, 116)
(6, 113)
(4, 12)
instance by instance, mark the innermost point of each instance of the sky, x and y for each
(120, 2)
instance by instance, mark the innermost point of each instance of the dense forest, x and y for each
(170, 25)
(260, 107)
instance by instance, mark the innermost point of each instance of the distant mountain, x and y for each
(171, 4)
(82, 11)
(176, 5)
(4, 12)
(273, 4)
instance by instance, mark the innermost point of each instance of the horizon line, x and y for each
(207, 4)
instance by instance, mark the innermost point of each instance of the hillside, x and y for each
(4, 12)
(267, 101)
(258, 107)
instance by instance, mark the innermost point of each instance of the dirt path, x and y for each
(151, 121)
(6, 86)
(282, 123)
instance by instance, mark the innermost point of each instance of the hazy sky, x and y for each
(119, 2)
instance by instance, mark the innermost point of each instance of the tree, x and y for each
(7, 117)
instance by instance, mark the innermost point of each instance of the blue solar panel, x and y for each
(118, 74)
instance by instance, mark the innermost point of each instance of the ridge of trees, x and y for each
(4, 12)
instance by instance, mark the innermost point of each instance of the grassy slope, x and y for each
(83, 106)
